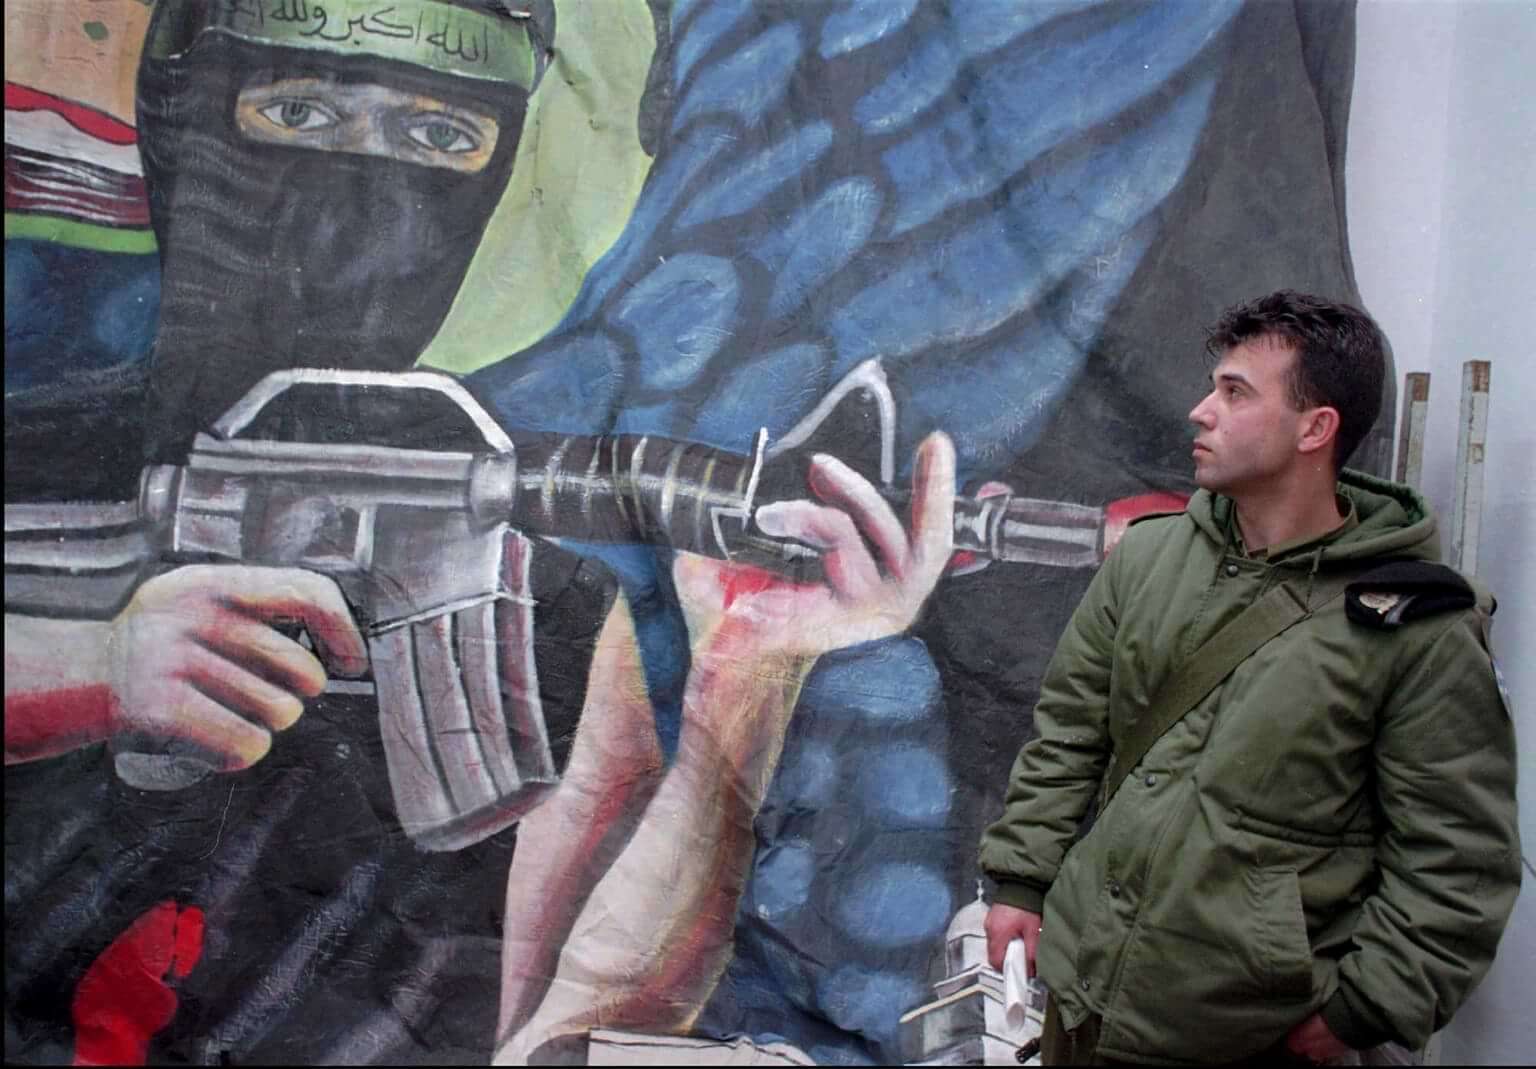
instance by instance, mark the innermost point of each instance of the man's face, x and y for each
(370, 120)
(1246, 429)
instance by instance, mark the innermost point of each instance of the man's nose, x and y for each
(1201, 413)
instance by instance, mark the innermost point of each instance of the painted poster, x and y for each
(533, 527)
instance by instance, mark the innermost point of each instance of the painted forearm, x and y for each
(655, 934)
(57, 696)
(568, 844)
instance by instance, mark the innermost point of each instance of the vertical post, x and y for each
(1410, 438)
(1471, 442)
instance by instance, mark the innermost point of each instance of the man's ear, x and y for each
(1319, 427)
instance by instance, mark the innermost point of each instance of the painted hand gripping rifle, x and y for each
(402, 489)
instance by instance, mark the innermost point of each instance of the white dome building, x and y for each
(965, 1023)
(965, 941)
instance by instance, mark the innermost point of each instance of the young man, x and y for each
(1314, 847)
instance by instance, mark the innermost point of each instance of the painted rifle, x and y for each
(403, 489)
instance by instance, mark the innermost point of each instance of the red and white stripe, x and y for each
(42, 184)
(65, 159)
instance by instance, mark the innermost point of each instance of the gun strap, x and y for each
(1185, 687)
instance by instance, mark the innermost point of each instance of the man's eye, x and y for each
(440, 135)
(298, 115)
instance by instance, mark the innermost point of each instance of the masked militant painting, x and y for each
(533, 527)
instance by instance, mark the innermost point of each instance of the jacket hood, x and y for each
(1394, 521)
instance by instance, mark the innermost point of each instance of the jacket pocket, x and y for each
(1280, 933)
(1285, 833)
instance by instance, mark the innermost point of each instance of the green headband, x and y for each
(426, 33)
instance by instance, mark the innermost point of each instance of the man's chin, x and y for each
(1215, 483)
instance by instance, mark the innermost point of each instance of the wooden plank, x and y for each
(1471, 445)
(1410, 438)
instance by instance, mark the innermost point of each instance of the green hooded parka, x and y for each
(1332, 828)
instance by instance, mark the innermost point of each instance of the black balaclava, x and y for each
(276, 256)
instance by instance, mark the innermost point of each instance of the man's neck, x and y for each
(1287, 512)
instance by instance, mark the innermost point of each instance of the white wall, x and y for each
(1441, 180)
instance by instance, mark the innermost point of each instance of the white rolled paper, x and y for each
(1015, 986)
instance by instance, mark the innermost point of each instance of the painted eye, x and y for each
(298, 115)
(440, 135)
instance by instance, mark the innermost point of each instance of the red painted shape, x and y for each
(86, 119)
(123, 999)
(744, 579)
(1118, 515)
(48, 722)
(189, 942)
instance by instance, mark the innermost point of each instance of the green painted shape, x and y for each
(578, 174)
(77, 234)
(428, 33)
(96, 31)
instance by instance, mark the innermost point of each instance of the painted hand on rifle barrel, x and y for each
(876, 571)
(632, 925)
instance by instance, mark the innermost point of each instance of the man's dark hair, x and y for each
(1341, 356)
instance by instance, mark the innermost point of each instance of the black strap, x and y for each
(1217, 657)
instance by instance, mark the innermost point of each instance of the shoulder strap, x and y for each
(1217, 657)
